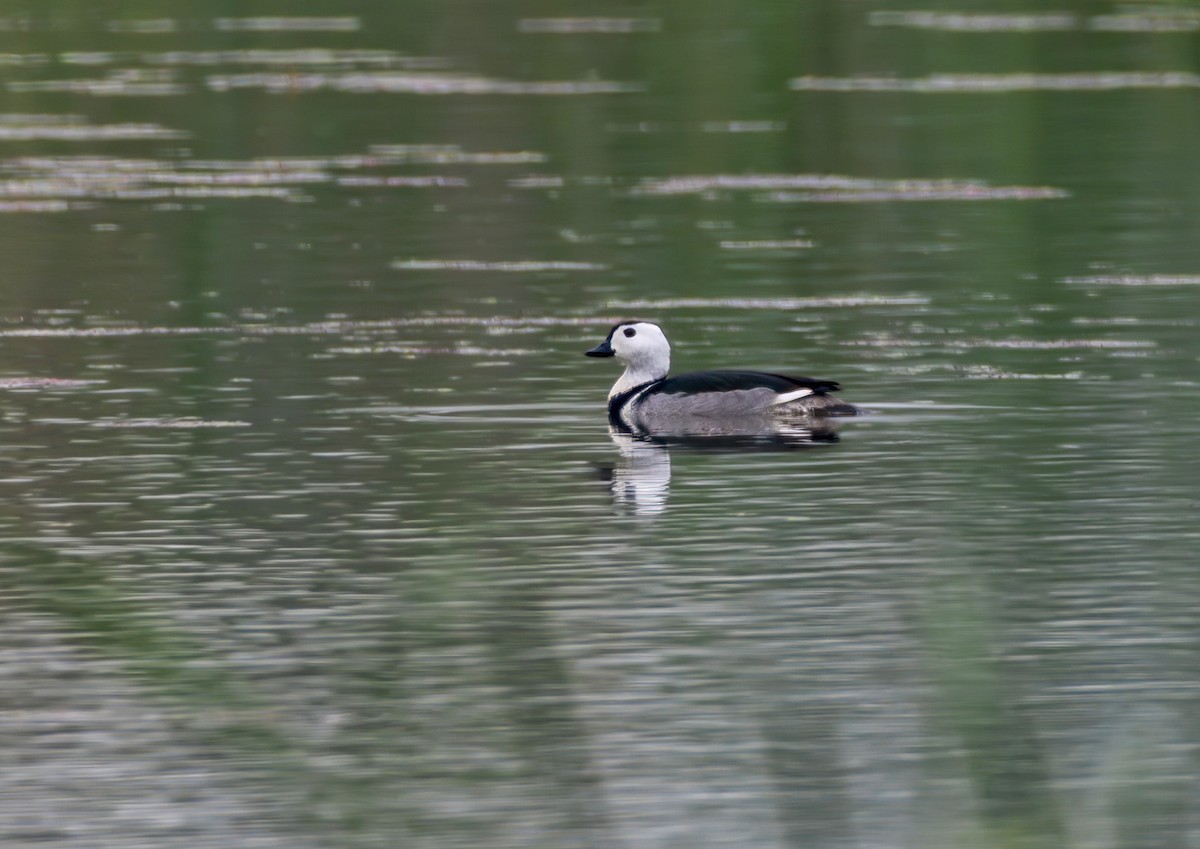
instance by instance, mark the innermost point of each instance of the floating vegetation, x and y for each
(297, 24)
(607, 26)
(828, 188)
(1154, 20)
(1003, 83)
(479, 265)
(1136, 280)
(384, 82)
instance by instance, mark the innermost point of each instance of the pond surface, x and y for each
(316, 535)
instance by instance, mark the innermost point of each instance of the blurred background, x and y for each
(314, 531)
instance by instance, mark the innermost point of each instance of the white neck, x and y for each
(637, 373)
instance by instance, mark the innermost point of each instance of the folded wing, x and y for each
(741, 381)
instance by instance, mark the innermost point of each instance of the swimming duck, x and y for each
(644, 399)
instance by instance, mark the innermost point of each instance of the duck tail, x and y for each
(819, 404)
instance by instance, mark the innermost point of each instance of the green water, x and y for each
(315, 532)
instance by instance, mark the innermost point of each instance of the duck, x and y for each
(644, 399)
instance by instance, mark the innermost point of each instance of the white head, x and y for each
(644, 349)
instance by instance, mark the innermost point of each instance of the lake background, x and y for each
(315, 535)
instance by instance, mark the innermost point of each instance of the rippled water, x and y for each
(316, 533)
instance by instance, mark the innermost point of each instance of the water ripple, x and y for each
(766, 244)
(480, 265)
(1151, 21)
(836, 187)
(770, 303)
(384, 82)
(46, 383)
(288, 24)
(1135, 280)
(316, 328)
(962, 22)
(88, 132)
(117, 178)
(1003, 83)
(605, 26)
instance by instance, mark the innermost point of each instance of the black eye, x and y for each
(629, 331)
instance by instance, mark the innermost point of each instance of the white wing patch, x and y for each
(791, 396)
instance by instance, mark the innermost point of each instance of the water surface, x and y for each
(316, 534)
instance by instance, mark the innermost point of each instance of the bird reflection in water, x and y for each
(640, 478)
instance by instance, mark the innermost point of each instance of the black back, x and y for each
(731, 381)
